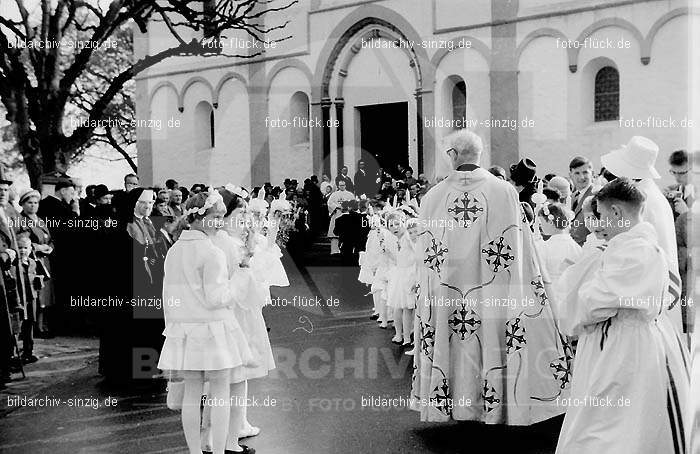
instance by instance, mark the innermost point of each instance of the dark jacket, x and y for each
(365, 184)
(579, 231)
(350, 231)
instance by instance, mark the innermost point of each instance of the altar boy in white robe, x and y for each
(636, 161)
(630, 385)
(487, 347)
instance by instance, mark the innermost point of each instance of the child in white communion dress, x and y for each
(238, 238)
(630, 383)
(402, 278)
(369, 258)
(559, 250)
(203, 340)
(388, 246)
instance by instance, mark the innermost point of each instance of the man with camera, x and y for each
(681, 196)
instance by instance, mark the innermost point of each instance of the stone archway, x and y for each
(356, 24)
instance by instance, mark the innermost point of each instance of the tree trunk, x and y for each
(32, 162)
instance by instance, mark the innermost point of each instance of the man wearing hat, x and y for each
(11, 283)
(524, 176)
(58, 206)
(140, 228)
(636, 161)
(57, 211)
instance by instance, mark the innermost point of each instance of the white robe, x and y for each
(557, 253)
(630, 384)
(335, 209)
(487, 348)
(658, 212)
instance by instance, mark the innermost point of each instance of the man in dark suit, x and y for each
(58, 213)
(119, 200)
(581, 173)
(349, 229)
(343, 176)
(364, 182)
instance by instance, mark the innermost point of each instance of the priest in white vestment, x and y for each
(630, 387)
(487, 347)
(335, 210)
(636, 161)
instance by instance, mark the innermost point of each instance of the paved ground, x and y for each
(329, 357)
(60, 358)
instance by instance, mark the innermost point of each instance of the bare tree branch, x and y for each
(42, 85)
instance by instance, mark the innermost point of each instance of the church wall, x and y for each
(231, 160)
(197, 163)
(544, 100)
(287, 160)
(558, 101)
(471, 67)
(451, 13)
(546, 81)
(165, 153)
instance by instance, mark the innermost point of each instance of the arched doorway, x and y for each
(332, 98)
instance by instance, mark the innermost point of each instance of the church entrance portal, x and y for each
(384, 135)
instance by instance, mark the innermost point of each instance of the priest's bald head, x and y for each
(464, 147)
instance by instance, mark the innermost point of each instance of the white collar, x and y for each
(189, 235)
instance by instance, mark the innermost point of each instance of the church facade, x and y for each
(386, 80)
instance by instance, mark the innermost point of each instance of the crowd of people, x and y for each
(128, 232)
(134, 226)
(590, 267)
(577, 271)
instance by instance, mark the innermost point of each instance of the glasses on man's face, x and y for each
(678, 172)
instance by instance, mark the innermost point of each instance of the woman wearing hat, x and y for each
(636, 161)
(523, 176)
(42, 243)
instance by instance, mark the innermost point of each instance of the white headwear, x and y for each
(213, 197)
(239, 191)
(259, 204)
(146, 196)
(280, 204)
(635, 160)
(409, 205)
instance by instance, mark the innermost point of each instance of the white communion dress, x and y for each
(267, 267)
(369, 257)
(403, 277)
(248, 311)
(202, 332)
